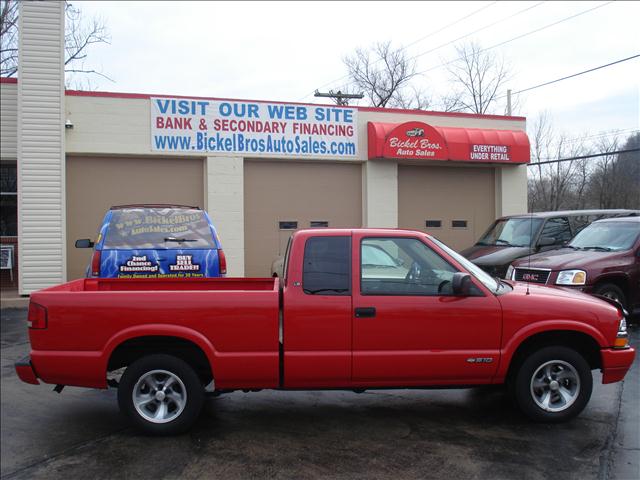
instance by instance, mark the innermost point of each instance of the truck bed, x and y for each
(174, 284)
(241, 343)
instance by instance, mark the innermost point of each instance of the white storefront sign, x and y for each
(252, 128)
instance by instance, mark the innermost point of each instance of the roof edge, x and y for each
(142, 96)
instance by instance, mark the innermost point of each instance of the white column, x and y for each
(511, 190)
(380, 194)
(41, 165)
(224, 187)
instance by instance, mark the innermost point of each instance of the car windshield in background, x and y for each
(488, 281)
(511, 232)
(607, 236)
(158, 228)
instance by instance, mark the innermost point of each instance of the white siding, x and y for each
(8, 121)
(224, 190)
(41, 205)
(380, 194)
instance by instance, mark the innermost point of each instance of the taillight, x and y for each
(222, 262)
(37, 317)
(95, 264)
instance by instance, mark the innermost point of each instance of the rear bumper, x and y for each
(25, 371)
(616, 363)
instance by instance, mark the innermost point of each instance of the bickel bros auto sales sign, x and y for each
(420, 141)
(247, 128)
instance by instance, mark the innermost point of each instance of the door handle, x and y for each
(365, 312)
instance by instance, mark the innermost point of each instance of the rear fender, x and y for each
(161, 330)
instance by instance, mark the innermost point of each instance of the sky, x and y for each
(286, 50)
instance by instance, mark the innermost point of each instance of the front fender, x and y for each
(527, 331)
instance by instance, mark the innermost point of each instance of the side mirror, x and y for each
(84, 243)
(461, 283)
(546, 241)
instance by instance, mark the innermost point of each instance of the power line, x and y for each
(531, 32)
(478, 30)
(451, 25)
(627, 131)
(574, 75)
(582, 157)
(571, 17)
(410, 44)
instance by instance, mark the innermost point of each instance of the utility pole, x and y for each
(509, 102)
(340, 98)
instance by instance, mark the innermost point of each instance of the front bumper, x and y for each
(616, 363)
(25, 371)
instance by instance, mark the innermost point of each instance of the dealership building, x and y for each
(261, 169)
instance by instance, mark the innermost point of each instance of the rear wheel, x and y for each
(161, 394)
(553, 385)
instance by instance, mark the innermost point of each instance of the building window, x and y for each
(288, 225)
(433, 223)
(8, 201)
(318, 224)
(458, 224)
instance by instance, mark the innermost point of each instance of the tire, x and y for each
(553, 384)
(612, 291)
(178, 397)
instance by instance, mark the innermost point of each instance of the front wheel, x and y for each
(553, 385)
(611, 291)
(161, 394)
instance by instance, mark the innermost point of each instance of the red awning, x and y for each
(421, 141)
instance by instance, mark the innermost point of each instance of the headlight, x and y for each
(622, 328)
(572, 277)
(622, 339)
(509, 273)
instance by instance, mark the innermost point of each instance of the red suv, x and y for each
(602, 259)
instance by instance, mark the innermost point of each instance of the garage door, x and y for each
(95, 184)
(283, 196)
(457, 202)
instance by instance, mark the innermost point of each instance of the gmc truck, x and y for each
(356, 309)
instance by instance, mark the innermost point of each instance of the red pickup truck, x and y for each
(357, 309)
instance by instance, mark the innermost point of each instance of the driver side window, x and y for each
(403, 266)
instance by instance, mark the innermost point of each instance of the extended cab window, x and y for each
(403, 266)
(327, 266)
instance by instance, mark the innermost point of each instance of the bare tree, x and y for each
(382, 73)
(80, 34)
(412, 98)
(8, 38)
(478, 75)
(614, 182)
(552, 186)
(629, 173)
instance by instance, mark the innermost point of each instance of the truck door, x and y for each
(317, 313)
(408, 327)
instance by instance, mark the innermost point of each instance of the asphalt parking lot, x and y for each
(461, 434)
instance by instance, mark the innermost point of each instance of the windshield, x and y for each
(610, 236)
(487, 280)
(158, 228)
(512, 232)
